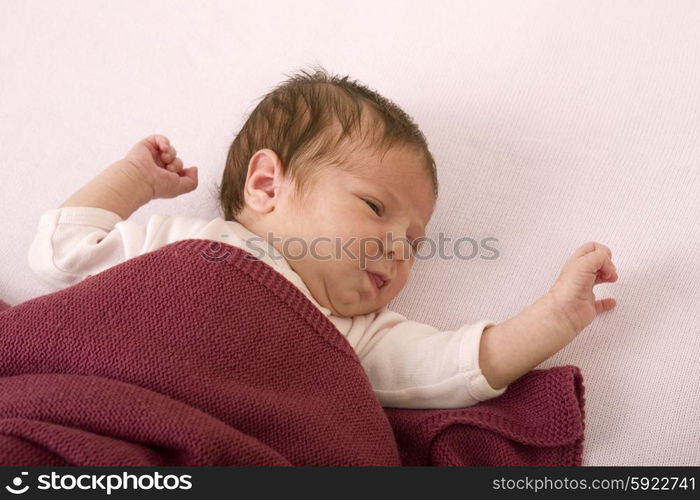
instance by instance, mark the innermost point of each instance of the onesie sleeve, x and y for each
(414, 365)
(72, 243)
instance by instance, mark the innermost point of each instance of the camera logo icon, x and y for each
(17, 482)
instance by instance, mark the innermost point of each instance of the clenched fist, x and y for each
(155, 160)
(572, 292)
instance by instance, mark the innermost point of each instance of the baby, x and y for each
(325, 164)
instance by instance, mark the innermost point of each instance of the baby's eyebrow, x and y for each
(387, 192)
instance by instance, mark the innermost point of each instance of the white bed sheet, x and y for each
(552, 123)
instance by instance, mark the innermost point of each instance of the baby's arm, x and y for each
(512, 348)
(90, 231)
(150, 170)
(118, 188)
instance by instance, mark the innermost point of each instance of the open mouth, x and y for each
(376, 280)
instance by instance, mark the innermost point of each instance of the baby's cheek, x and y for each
(399, 283)
(321, 249)
(402, 275)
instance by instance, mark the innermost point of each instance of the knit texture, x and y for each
(198, 353)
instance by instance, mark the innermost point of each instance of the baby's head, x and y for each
(340, 180)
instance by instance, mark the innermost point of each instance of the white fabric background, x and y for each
(552, 123)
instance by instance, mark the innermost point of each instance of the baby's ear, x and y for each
(265, 175)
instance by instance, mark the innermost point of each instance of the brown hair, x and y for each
(299, 121)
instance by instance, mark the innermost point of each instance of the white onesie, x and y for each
(409, 364)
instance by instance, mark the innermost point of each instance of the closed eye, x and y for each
(373, 206)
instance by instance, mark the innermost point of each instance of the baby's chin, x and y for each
(348, 304)
(350, 311)
(347, 299)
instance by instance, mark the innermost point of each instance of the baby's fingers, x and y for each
(591, 246)
(160, 141)
(599, 263)
(607, 274)
(604, 305)
(188, 179)
(168, 154)
(175, 166)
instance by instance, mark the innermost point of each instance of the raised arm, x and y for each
(91, 232)
(118, 188)
(150, 170)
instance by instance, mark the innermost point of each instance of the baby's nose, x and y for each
(398, 247)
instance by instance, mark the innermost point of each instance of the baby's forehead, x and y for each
(392, 166)
(378, 164)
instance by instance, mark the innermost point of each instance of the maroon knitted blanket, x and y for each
(200, 354)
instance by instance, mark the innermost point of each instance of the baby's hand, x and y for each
(157, 163)
(572, 292)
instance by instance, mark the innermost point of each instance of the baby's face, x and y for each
(347, 223)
